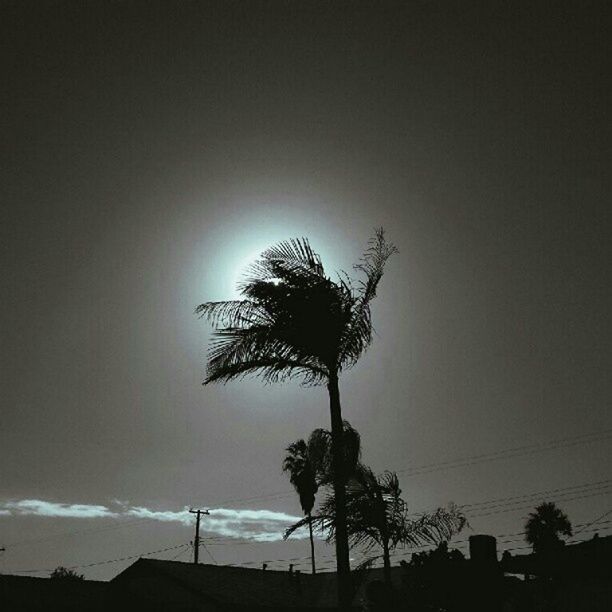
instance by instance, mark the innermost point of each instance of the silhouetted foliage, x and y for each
(296, 322)
(63, 573)
(309, 466)
(321, 447)
(436, 579)
(302, 473)
(303, 476)
(378, 516)
(544, 526)
(436, 558)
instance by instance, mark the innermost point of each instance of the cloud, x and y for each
(181, 516)
(37, 507)
(255, 515)
(257, 525)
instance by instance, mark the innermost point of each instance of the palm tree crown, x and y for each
(294, 320)
(543, 527)
(302, 473)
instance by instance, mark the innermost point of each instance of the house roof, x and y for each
(248, 587)
(231, 585)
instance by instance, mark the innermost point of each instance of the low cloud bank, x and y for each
(257, 525)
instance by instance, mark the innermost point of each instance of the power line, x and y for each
(209, 553)
(587, 485)
(76, 532)
(423, 469)
(555, 494)
(144, 554)
(509, 453)
(529, 506)
(594, 521)
(181, 553)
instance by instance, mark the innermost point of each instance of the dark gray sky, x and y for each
(150, 150)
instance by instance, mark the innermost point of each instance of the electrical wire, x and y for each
(594, 521)
(588, 485)
(203, 544)
(144, 554)
(423, 469)
(529, 506)
(509, 453)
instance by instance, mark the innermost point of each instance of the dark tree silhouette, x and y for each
(294, 321)
(309, 466)
(439, 579)
(303, 476)
(543, 527)
(320, 444)
(378, 516)
(63, 573)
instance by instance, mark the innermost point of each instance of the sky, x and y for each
(151, 150)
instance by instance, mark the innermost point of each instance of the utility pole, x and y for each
(196, 542)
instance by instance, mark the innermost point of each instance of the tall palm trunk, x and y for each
(312, 553)
(387, 563)
(342, 547)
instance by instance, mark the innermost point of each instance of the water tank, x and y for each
(483, 549)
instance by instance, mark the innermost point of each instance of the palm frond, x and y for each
(295, 251)
(290, 261)
(367, 563)
(236, 352)
(231, 313)
(268, 370)
(376, 513)
(357, 334)
(436, 527)
(319, 523)
(373, 262)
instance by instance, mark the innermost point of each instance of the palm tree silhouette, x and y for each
(309, 466)
(303, 477)
(378, 516)
(294, 321)
(543, 527)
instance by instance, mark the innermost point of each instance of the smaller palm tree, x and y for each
(378, 516)
(310, 466)
(543, 527)
(303, 476)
